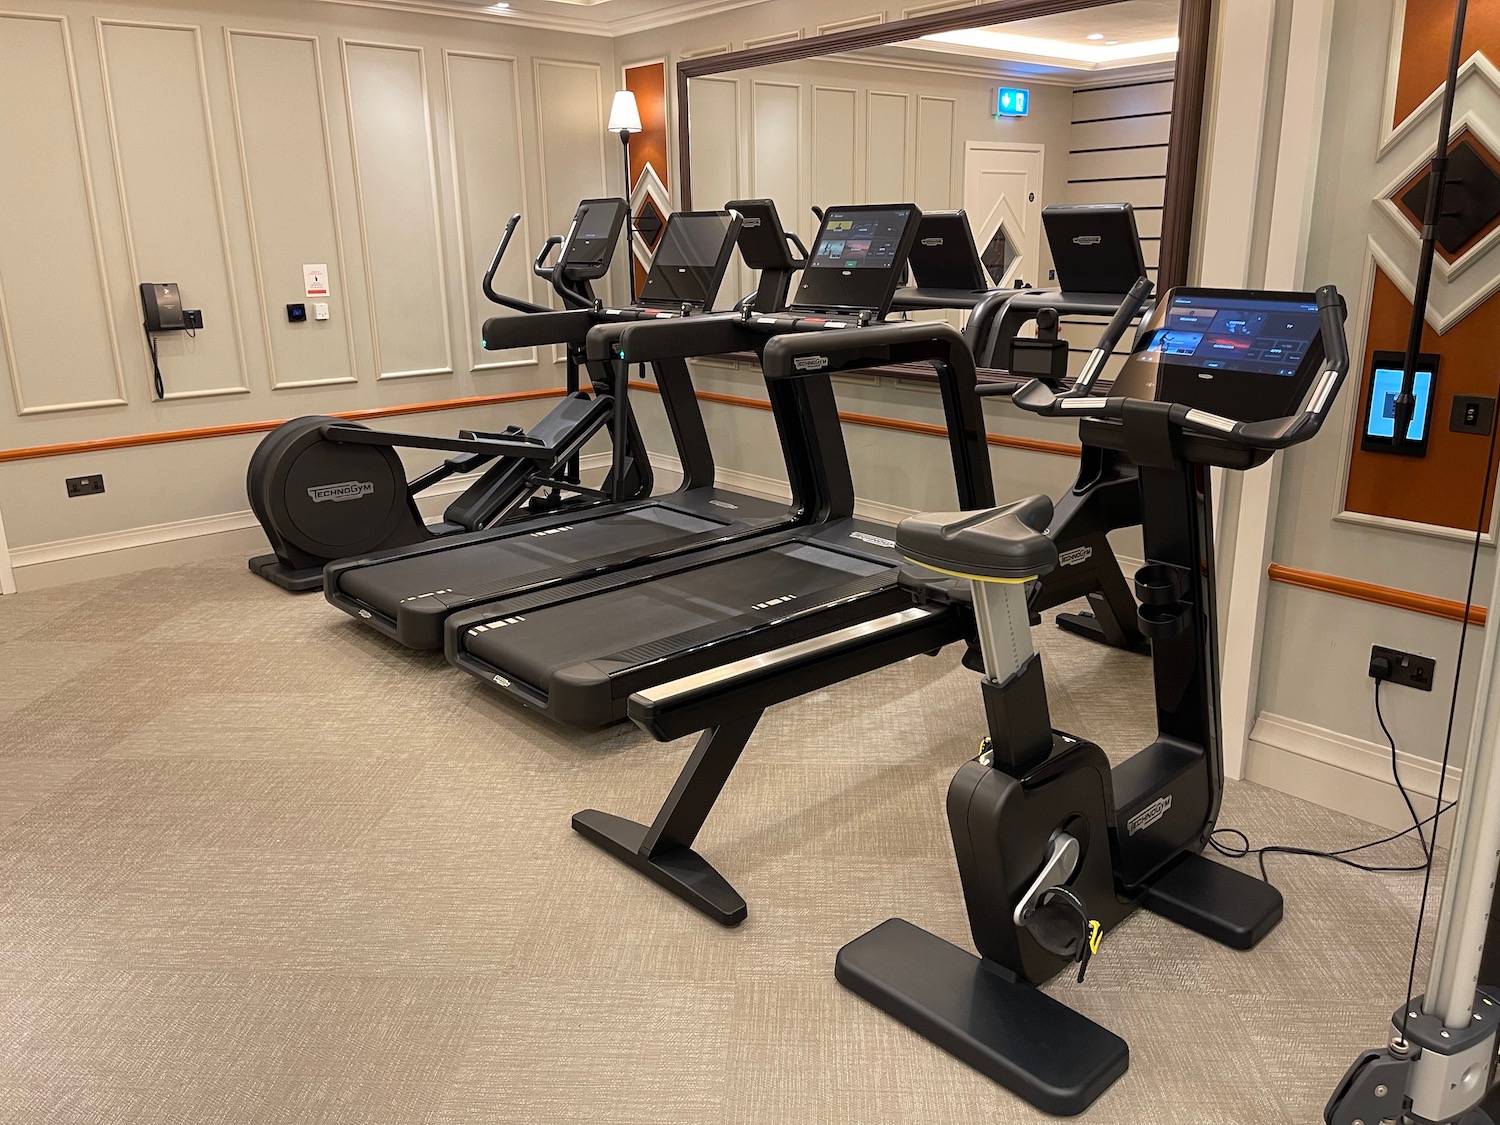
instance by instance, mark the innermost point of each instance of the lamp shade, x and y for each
(624, 115)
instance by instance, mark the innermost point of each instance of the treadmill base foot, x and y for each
(680, 870)
(272, 569)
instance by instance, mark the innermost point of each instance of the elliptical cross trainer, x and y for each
(324, 488)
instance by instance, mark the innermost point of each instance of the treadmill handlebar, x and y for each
(678, 338)
(1270, 434)
(802, 354)
(549, 326)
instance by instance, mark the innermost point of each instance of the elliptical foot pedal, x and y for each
(1217, 901)
(1036, 1047)
(682, 871)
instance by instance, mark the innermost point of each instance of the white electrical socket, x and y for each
(320, 312)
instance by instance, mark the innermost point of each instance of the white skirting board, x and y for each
(1344, 773)
(170, 544)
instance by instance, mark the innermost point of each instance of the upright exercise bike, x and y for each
(324, 488)
(1055, 848)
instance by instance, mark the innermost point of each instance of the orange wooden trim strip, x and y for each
(1031, 445)
(132, 441)
(1377, 595)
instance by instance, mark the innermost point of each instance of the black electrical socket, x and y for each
(192, 319)
(85, 486)
(1472, 414)
(1404, 668)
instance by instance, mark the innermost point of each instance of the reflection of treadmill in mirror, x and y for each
(407, 594)
(577, 653)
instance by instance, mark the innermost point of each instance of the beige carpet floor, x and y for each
(258, 865)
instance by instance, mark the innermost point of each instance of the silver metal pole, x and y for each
(1475, 858)
(1004, 621)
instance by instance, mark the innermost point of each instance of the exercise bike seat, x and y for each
(1008, 543)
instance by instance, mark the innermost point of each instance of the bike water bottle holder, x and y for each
(1160, 588)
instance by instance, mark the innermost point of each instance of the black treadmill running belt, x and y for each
(494, 566)
(761, 586)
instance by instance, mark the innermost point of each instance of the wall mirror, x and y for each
(998, 108)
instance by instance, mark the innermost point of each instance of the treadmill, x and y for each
(1097, 255)
(407, 593)
(577, 652)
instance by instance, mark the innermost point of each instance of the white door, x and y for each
(7, 576)
(1003, 196)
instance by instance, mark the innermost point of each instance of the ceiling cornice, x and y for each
(608, 29)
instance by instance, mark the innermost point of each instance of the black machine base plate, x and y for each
(1087, 625)
(1219, 902)
(1036, 1047)
(272, 569)
(680, 870)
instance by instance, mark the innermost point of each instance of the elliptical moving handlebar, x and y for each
(488, 284)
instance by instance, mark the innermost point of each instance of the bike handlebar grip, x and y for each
(1129, 308)
(1332, 312)
(791, 236)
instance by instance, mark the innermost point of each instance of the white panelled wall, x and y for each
(224, 148)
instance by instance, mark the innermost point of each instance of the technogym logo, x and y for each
(338, 493)
(932, 242)
(810, 362)
(1149, 815)
(1076, 556)
(1088, 240)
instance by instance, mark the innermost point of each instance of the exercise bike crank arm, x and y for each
(527, 449)
(1061, 862)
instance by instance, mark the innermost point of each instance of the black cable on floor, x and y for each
(1243, 848)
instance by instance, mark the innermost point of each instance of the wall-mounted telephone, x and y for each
(161, 303)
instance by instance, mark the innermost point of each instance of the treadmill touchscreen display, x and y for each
(857, 258)
(690, 259)
(1247, 356)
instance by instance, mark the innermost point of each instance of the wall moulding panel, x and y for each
(279, 98)
(58, 354)
(887, 162)
(172, 197)
(400, 217)
(837, 138)
(934, 178)
(489, 185)
(776, 167)
(569, 98)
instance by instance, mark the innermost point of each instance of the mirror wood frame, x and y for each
(1183, 141)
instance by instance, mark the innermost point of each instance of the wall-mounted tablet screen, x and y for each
(1380, 404)
(690, 259)
(858, 258)
(1241, 354)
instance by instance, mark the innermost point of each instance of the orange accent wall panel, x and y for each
(1424, 46)
(648, 83)
(1443, 487)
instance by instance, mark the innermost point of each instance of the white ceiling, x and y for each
(1112, 37)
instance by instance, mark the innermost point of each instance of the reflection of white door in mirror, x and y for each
(1003, 196)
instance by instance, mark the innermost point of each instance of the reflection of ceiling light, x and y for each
(1112, 43)
(1096, 35)
(500, 7)
(1012, 44)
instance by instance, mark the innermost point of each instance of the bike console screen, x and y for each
(857, 258)
(1245, 355)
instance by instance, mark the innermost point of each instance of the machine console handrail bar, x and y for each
(1272, 434)
(779, 361)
